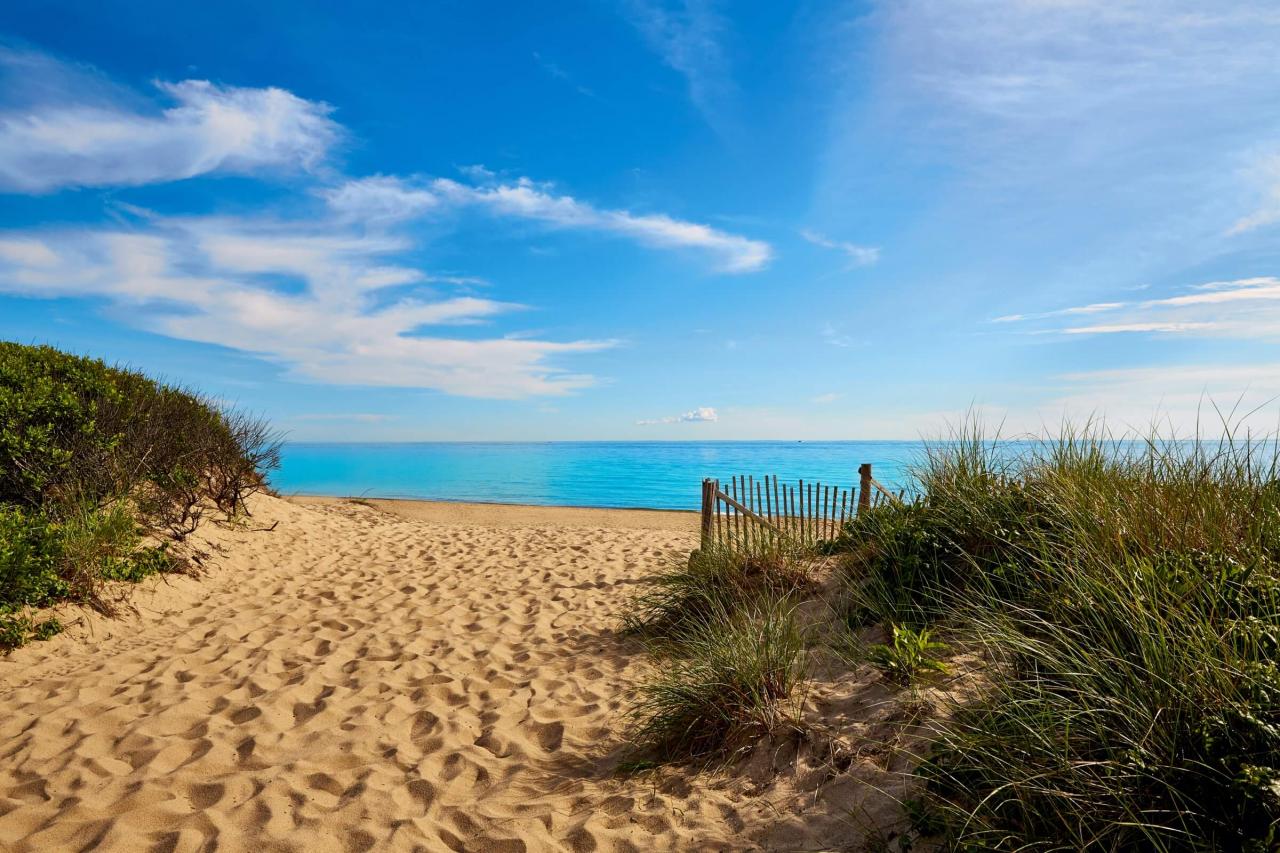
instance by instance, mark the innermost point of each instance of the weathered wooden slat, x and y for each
(768, 500)
(777, 505)
(759, 507)
(799, 499)
(741, 508)
(737, 516)
(825, 490)
(715, 499)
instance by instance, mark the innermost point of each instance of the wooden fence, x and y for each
(749, 513)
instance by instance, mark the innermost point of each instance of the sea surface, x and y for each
(657, 475)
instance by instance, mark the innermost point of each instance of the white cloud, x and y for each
(1095, 308)
(823, 399)
(32, 253)
(1113, 328)
(858, 256)
(702, 414)
(94, 136)
(386, 198)
(379, 198)
(217, 281)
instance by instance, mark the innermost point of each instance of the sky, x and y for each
(637, 219)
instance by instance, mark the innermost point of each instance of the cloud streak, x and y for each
(858, 256)
(1247, 308)
(388, 198)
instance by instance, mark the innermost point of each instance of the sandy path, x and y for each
(357, 680)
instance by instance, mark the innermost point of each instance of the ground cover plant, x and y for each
(1126, 595)
(98, 466)
(908, 654)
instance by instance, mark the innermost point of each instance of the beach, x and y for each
(352, 675)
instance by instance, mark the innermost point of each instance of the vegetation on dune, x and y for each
(731, 650)
(908, 654)
(723, 683)
(95, 463)
(1123, 596)
(1127, 597)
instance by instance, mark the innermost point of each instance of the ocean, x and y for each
(628, 474)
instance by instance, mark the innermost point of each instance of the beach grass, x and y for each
(724, 682)
(1126, 598)
(730, 650)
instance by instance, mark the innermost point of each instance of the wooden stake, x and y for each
(864, 487)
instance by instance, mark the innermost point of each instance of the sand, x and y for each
(393, 676)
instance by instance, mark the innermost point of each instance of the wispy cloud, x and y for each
(823, 399)
(857, 256)
(1242, 308)
(1095, 308)
(219, 281)
(1266, 176)
(389, 198)
(837, 338)
(1027, 62)
(702, 414)
(1096, 96)
(88, 136)
(689, 36)
(555, 70)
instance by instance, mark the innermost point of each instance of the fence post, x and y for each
(864, 487)
(708, 509)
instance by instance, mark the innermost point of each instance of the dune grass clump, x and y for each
(723, 683)
(97, 463)
(730, 652)
(1127, 596)
(715, 581)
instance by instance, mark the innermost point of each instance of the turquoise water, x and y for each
(660, 475)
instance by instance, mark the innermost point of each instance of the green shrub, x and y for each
(73, 430)
(30, 559)
(91, 458)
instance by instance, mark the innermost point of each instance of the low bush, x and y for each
(93, 459)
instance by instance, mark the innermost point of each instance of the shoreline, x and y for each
(495, 514)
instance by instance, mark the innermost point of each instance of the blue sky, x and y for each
(652, 220)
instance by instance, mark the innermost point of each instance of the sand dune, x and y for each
(358, 679)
